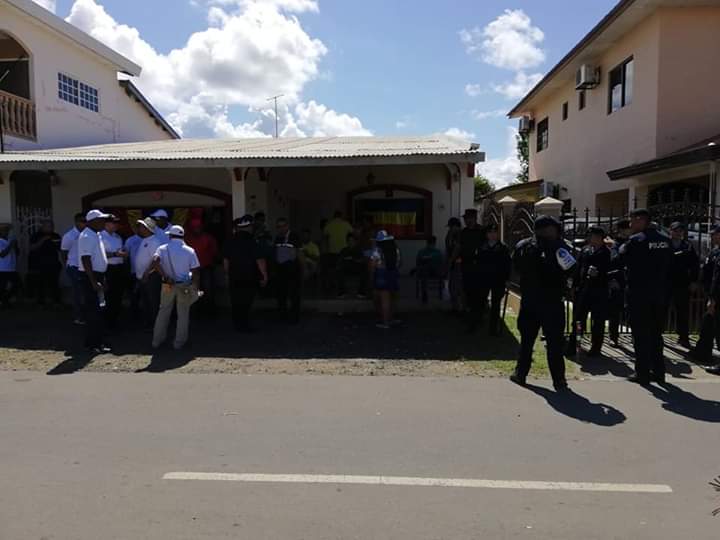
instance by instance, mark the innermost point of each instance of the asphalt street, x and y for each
(120, 456)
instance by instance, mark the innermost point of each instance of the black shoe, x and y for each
(595, 352)
(637, 380)
(102, 349)
(562, 388)
(684, 342)
(517, 379)
(715, 370)
(659, 379)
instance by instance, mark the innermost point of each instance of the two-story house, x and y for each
(629, 116)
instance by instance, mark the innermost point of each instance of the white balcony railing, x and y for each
(18, 116)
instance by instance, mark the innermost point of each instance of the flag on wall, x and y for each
(402, 218)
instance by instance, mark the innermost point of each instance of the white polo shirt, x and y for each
(8, 263)
(144, 255)
(112, 244)
(90, 244)
(70, 244)
(184, 259)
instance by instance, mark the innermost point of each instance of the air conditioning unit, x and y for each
(549, 189)
(587, 77)
(526, 125)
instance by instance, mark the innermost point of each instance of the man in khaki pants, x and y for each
(179, 267)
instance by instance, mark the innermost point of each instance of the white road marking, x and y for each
(419, 482)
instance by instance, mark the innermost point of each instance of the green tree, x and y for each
(523, 155)
(483, 187)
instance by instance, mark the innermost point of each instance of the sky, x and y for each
(344, 67)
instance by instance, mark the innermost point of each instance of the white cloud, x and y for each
(509, 42)
(484, 115)
(458, 133)
(475, 90)
(252, 49)
(50, 5)
(519, 86)
(503, 171)
(319, 121)
(401, 124)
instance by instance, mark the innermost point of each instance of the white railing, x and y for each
(18, 116)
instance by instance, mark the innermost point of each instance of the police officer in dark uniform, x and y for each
(647, 257)
(289, 267)
(710, 331)
(468, 249)
(616, 282)
(246, 269)
(591, 292)
(495, 265)
(544, 264)
(683, 275)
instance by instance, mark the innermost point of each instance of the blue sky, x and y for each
(386, 67)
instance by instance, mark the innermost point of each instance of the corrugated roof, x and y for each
(267, 152)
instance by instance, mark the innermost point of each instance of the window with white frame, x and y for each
(78, 93)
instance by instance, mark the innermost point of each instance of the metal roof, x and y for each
(265, 152)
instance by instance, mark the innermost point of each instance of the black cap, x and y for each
(595, 230)
(640, 212)
(454, 222)
(623, 224)
(470, 212)
(677, 226)
(245, 221)
(547, 221)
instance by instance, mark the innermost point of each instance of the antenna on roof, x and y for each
(275, 99)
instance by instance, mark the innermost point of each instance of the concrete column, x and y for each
(549, 207)
(238, 193)
(507, 206)
(6, 205)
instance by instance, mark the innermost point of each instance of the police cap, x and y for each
(547, 221)
(623, 224)
(640, 213)
(454, 222)
(245, 221)
(677, 226)
(470, 213)
(595, 230)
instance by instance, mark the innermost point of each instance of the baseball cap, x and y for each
(176, 230)
(245, 221)
(160, 214)
(96, 214)
(148, 223)
(383, 236)
(454, 222)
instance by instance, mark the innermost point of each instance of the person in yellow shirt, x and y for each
(336, 232)
(311, 251)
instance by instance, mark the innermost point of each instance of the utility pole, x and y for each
(277, 120)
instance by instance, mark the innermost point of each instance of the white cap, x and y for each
(96, 214)
(159, 214)
(176, 230)
(148, 223)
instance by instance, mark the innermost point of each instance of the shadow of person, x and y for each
(604, 365)
(687, 404)
(73, 363)
(579, 407)
(679, 370)
(163, 361)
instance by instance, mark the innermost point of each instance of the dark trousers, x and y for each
(47, 284)
(679, 298)
(242, 297)
(76, 278)
(647, 318)
(116, 282)
(472, 283)
(206, 304)
(288, 288)
(616, 312)
(496, 293)
(149, 297)
(550, 316)
(709, 334)
(8, 286)
(349, 272)
(93, 313)
(584, 307)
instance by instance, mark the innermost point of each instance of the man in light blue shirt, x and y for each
(162, 226)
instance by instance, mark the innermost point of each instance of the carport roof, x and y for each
(283, 152)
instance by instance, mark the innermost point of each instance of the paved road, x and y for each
(83, 457)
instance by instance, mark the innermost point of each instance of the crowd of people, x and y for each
(634, 272)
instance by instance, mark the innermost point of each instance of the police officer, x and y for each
(289, 265)
(246, 269)
(543, 263)
(682, 276)
(710, 331)
(495, 265)
(647, 257)
(591, 292)
(467, 251)
(616, 282)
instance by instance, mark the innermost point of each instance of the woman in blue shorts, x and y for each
(384, 268)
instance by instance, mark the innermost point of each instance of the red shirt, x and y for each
(205, 246)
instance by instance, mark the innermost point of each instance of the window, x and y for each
(622, 81)
(78, 93)
(565, 110)
(581, 100)
(543, 135)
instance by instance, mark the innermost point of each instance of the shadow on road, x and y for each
(170, 360)
(687, 404)
(75, 362)
(579, 407)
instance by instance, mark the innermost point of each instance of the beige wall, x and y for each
(61, 124)
(689, 106)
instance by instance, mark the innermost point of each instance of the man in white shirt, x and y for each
(93, 265)
(149, 281)
(162, 226)
(71, 261)
(8, 264)
(179, 267)
(115, 277)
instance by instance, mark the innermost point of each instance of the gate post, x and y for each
(549, 207)
(507, 205)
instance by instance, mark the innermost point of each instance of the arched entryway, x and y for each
(17, 108)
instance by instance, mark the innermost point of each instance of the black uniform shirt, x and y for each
(600, 259)
(708, 269)
(685, 264)
(242, 253)
(646, 257)
(287, 249)
(541, 275)
(495, 262)
(471, 242)
(47, 255)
